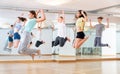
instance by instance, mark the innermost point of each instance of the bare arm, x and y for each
(15, 23)
(59, 13)
(63, 15)
(37, 12)
(53, 27)
(91, 26)
(42, 16)
(107, 26)
(85, 17)
(39, 26)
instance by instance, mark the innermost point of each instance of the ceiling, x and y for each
(88, 5)
(94, 7)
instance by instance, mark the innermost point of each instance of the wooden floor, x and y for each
(28, 59)
(99, 67)
(17, 64)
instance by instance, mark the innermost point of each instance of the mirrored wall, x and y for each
(48, 35)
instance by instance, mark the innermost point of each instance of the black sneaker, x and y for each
(53, 43)
(108, 46)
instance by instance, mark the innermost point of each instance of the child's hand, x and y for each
(82, 12)
(41, 10)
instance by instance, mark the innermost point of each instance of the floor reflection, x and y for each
(105, 67)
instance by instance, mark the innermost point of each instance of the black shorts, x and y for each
(80, 35)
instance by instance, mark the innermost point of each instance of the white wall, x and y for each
(9, 16)
(109, 37)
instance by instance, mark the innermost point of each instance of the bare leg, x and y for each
(68, 39)
(78, 42)
(16, 43)
(38, 52)
(33, 55)
(29, 45)
(10, 44)
(81, 42)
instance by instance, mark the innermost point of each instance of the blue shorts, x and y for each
(17, 36)
(10, 39)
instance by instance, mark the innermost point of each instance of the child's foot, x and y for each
(43, 42)
(38, 53)
(108, 46)
(53, 43)
(33, 56)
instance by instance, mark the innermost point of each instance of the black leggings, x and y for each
(38, 43)
(60, 41)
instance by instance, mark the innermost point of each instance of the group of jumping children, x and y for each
(20, 34)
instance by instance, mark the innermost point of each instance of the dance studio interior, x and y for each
(59, 36)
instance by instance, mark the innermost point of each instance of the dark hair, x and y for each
(61, 17)
(11, 25)
(31, 42)
(19, 18)
(80, 11)
(22, 19)
(100, 18)
(39, 27)
(34, 13)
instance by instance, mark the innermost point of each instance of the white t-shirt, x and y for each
(38, 35)
(61, 29)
